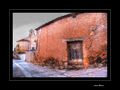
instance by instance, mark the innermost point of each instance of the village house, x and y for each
(76, 39)
(32, 39)
(28, 43)
(22, 45)
(32, 46)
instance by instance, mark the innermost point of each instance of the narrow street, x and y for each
(25, 69)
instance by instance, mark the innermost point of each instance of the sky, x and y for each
(23, 22)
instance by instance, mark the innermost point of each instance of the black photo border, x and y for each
(108, 11)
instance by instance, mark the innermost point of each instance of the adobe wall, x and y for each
(91, 27)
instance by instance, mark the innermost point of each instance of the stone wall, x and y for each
(30, 56)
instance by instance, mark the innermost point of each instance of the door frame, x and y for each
(80, 40)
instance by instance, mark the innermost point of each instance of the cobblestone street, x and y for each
(24, 69)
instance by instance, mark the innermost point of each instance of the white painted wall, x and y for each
(22, 56)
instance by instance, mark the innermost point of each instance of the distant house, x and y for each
(73, 39)
(32, 39)
(30, 56)
(22, 45)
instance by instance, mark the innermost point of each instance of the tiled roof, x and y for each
(59, 18)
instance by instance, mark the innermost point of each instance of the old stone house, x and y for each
(73, 39)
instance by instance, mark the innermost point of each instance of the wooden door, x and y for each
(75, 50)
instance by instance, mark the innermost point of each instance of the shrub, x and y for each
(50, 61)
(101, 58)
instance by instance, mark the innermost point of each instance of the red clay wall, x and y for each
(51, 38)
